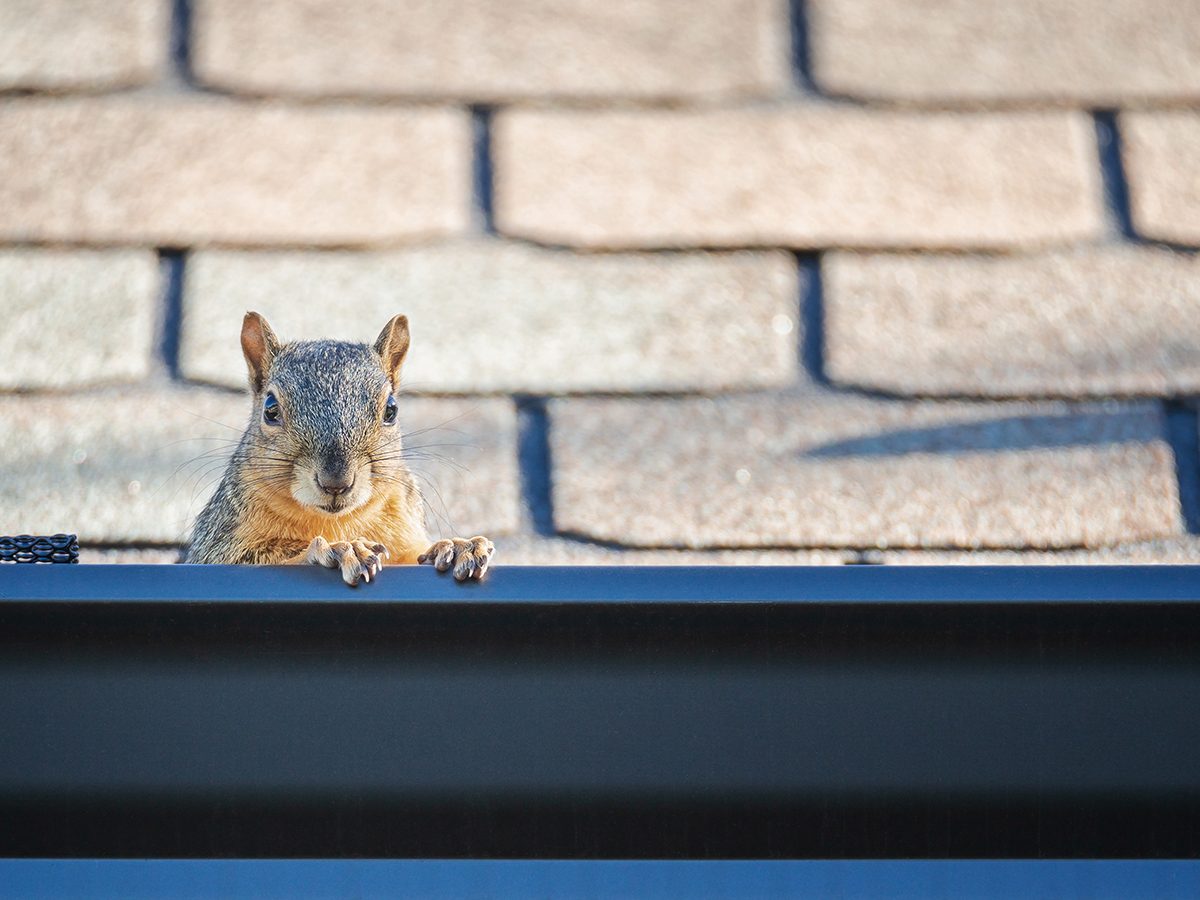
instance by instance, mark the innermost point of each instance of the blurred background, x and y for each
(836, 281)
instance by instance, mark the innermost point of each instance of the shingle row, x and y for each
(1119, 52)
(811, 470)
(136, 466)
(199, 171)
(497, 316)
(189, 172)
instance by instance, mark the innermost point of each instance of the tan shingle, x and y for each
(1100, 54)
(1171, 551)
(76, 317)
(187, 171)
(797, 176)
(833, 470)
(542, 551)
(56, 45)
(1114, 320)
(136, 466)
(135, 556)
(490, 50)
(1162, 159)
(489, 316)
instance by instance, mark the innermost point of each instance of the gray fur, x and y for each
(330, 391)
(212, 533)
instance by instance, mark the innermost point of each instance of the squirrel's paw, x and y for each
(358, 559)
(469, 558)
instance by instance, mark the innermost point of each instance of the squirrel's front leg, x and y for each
(358, 559)
(468, 557)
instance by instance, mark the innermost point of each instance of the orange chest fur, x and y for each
(277, 534)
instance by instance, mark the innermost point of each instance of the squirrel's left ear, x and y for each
(392, 345)
(259, 346)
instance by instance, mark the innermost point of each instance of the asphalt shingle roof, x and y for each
(745, 281)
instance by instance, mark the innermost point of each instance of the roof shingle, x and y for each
(497, 316)
(198, 171)
(799, 176)
(1092, 322)
(111, 299)
(1094, 54)
(1162, 157)
(136, 466)
(494, 50)
(89, 44)
(843, 471)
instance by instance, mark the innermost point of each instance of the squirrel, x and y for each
(319, 477)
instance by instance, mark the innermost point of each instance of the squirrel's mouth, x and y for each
(309, 493)
(340, 503)
(336, 506)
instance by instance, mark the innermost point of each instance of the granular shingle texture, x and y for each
(136, 466)
(489, 316)
(1094, 53)
(63, 44)
(535, 551)
(125, 556)
(1181, 551)
(108, 300)
(492, 50)
(843, 471)
(1162, 158)
(198, 171)
(1111, 320)
(671, 257)
(800, 176)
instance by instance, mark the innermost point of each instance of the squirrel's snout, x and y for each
(335, 486)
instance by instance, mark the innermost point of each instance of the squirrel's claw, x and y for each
(359, 559)
(469, 558)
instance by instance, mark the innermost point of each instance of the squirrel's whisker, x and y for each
(426, 430)
(433, 486)
(435, 457)
(236, 429)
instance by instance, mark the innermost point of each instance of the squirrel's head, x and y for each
(323, 430)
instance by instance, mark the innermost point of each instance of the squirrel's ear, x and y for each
(392, 345)
(259, 346)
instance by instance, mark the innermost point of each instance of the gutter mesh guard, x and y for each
(29, 548)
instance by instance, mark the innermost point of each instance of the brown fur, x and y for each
(332, 445)
(276, 529)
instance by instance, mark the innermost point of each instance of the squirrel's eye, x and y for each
(389, 411)
(272, 414)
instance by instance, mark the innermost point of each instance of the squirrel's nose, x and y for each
(335, 487)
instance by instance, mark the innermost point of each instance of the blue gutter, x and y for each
(699, 713)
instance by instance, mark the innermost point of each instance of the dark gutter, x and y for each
(596, 712)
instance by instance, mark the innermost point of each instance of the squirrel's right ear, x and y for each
(259, 346)
(392, 345)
